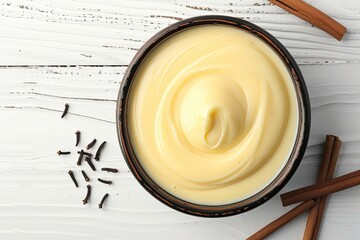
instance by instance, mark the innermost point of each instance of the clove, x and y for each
(77, 133)
(90, 145)
(113, 170)
(103, 200)
(87, 197)
(62, 153)
(65, 110)
(85, 176)
(98, 152)
(80, 158)
(104, 181)
(85, 153)
(73, 178)
(88, 160)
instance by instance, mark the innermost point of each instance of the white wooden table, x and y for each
(76, 51)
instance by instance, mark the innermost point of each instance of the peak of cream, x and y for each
(213, 114)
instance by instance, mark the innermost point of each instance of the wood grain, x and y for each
(76, 51)
(110, 32)
(38, 199)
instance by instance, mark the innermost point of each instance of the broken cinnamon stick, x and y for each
(321, 189)
(312, 15)
(281, 221)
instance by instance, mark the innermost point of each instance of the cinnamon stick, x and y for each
(312, 15)
(321, 189)
(330, 174)
(311, 220)
(281, 221)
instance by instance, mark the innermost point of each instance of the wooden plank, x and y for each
(110, 32)
(91, 91)
(39, 201)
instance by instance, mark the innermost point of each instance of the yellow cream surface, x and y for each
(212, 114)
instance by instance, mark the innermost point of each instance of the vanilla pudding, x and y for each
(212, 114)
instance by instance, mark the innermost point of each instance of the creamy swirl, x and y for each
(212, 114)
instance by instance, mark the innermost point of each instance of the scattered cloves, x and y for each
(80, 157)
(77, 133)
(98, 152)
(65, 110)
(87, 197)
(73, 178)
(88, 157)
(85, 176)
(104, 181)
(88, 160)
(85, 153)
(103, 200)
(62, 153)
(90, 145)
(113, 170)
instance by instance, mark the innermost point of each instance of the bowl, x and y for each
(278, 181)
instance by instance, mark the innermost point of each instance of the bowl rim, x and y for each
(280, 180)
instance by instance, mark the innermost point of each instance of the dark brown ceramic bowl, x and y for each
(285, 174)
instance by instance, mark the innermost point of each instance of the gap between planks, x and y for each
(60, 66)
